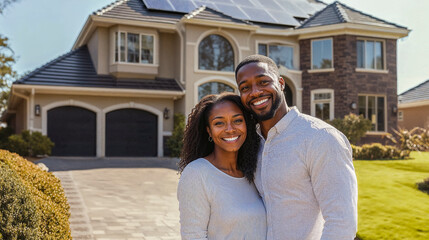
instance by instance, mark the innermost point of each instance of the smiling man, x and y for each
(305, 172)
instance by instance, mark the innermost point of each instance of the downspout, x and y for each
(26, 98)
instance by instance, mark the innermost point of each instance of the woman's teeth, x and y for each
(230, 139)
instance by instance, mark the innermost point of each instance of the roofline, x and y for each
(352, 29)
(95, 21)
(415, 87)
(97, 91)
(413, 104)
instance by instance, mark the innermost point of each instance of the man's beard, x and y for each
(270, 114)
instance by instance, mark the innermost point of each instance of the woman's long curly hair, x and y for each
(197, 145)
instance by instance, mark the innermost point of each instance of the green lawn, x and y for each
(390, 205)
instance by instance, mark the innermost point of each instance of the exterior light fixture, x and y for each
(37, 110)
(394, 109)
(166, 113)
(353, 105)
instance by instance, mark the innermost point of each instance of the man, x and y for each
(305, 173)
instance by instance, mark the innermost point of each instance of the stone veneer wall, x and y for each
(346, 82)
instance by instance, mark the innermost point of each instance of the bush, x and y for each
(47, 193)
(175, 142)
(377, 151)
(4, 135)
(416, 139)
(424, 186)
(29, 144)
(19, 218)
(352, 126)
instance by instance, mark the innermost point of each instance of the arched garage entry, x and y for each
(73, 130)
(131, 132)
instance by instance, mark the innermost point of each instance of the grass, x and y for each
(390, 205)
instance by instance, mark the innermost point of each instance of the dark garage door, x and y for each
(131, 133)
(73, 130)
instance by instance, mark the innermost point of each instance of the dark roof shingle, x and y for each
(415, 94)
(338, 12)
(75, 69)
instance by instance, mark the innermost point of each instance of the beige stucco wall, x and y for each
(21, 117)
(244, 43)
(414, 117)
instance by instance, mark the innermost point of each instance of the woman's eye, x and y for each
(238, 121)
(218, 123)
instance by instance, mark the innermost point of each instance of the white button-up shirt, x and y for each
(306, 178)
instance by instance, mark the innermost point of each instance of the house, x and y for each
(137, 62)
(413, 107)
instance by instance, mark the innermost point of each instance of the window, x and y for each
(322, 104)
(370, 54)
(321, 54)
(134, 48)
(400, 116)
(373, 108)
(281, 54)
(213, 88)
(215, 53)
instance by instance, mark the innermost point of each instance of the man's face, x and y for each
(260, 90)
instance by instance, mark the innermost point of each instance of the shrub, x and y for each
(352, 126)
(46, 191)
(19, 218)
(175, 142)
(29, 144)
(4, 135)
(377, 151)
(424, 186)
(416, 139)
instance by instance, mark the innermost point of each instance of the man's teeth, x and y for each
(260, 102)
(230, 139)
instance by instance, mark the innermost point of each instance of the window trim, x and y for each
(117, 32)
(230, 81)
(314, 70)
(294, 46)
(331, 101)
(233, 41)
(372, 70)
(370, 132)
(400, 115)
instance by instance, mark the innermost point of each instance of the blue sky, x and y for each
(41, 30)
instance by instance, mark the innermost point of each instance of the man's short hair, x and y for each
(272, 66)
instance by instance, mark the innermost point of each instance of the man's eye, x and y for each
(243, 89)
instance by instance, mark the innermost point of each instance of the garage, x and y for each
(73, 130)
(131, 133)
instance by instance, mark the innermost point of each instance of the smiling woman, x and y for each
(217, 197)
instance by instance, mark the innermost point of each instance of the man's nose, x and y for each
(255, 92)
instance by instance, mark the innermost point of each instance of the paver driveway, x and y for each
(120, 198)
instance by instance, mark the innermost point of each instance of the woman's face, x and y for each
(227, 126)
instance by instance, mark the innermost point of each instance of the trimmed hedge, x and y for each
(29, 144)
(175, 142)
(19, 218)
(46, 192)
(377, 151)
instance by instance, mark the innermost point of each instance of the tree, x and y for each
(7, 74)
(4, 4)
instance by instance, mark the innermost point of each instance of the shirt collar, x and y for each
(283, 123)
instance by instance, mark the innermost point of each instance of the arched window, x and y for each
(215, 53)
(213, 88)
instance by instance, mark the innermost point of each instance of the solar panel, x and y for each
(266, 11)
(159, 5)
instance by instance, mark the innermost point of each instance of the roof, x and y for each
(75, 69)
(415, 94)
(337, 12)
(281, 12)
(206, 13)
(137, 10)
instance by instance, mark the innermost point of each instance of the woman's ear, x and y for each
(208, 131)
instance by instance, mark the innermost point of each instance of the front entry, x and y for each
(289, 95)
(131, 133)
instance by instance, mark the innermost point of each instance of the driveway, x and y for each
(120, 198)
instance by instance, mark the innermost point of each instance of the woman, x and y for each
(217, 197)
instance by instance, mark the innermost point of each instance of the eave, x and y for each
(359, 29)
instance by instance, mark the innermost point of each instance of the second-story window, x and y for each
(215, 53)
(281, 54)
(370, 54)
(134, 48)
(321, 54)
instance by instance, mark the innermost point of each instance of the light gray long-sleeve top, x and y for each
(306, 178)
(214, 205)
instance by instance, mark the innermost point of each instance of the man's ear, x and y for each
(282, 83)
